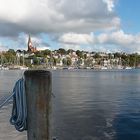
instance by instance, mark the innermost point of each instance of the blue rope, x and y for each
(19, 111)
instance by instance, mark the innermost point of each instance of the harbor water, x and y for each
(88, 105)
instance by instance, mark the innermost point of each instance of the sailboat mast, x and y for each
(23, 58)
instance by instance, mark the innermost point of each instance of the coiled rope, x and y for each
(19, 111)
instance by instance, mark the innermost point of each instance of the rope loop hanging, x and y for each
(19, 110)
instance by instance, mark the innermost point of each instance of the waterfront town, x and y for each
(66, 59)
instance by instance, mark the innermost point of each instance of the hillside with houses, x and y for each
(66, 59)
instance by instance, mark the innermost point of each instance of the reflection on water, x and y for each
(88, 105)
(96, 105)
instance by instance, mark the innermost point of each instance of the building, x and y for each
(31, 48)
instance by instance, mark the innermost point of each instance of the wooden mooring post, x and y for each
(38, 89)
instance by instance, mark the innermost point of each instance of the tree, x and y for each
(96, 56)
(79, 62)
(12, 51)
(64, 61)
(70, 51)
(62, 51)
(85, 56)
(36, 60)
(88, 62)
(133, 60)
(117, 55)
(39, 54)
(110, 56)
(125, 59)
(51, 61)
(54, 61)
(9, 57)
(69, 61)
(79, 53)
(47, 52)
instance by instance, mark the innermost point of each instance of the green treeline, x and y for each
(48, 57)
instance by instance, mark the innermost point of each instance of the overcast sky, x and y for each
(91, 25)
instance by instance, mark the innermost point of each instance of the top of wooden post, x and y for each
(37, 73)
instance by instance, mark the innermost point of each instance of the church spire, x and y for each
(30, 45)
(29, 39)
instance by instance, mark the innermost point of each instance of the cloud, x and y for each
(70, 46)
(55, 16)
(119, 38)
(68, 22)
(73, 38)
(110, 4)
(108, 41)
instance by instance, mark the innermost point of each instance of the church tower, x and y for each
(31, 49)
(30, 46)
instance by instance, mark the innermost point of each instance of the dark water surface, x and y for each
(88, 105)
(95, 105)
